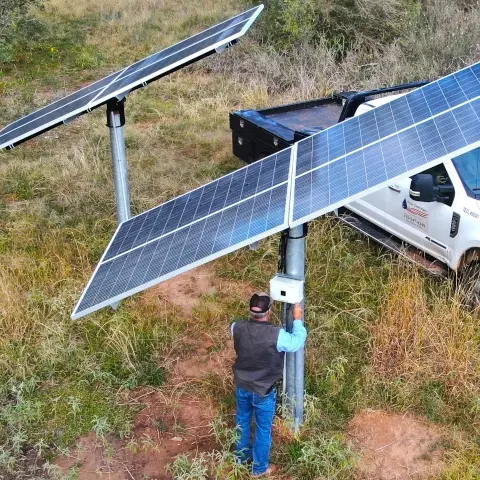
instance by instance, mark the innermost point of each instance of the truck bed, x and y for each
(259, 133)
(309, 116)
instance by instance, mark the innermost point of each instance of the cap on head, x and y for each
(260, 302)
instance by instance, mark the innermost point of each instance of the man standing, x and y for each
(260, 348)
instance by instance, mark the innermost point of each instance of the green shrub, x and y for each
(28, 38)
(342, 23)
(288, 22)
(16, 25)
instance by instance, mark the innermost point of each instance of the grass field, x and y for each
(382, 335)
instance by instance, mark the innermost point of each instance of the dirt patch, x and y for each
(91, 459)
(168, 426)
(185, 291)
(173, 421)
(205, 362)
(396, 447)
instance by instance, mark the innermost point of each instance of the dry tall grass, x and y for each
(444, 37)
(129, 29)
(368, 317)
(422, 336)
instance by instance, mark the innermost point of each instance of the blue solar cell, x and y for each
(141, 267)
(337, 180)
(172, 256)
(212, 197)
(320, 148)
(436, 99)
(336, 142)
(449, 131)
(368, 128)
(192, 243)
(319, 190)
(468, 82)
(375, 164)
(475, 68)
(431, 141)
(312, 192)
(394, 161)
(187, 255)
(134, 76)
(467, 117)
(418, 105)
(304, 155)
(452, 90)
(209, 235)
(353, 138)
(252, 180)
(356, 174)
(401, 113)
(276, 213)
(303, 195)
(411, 148)
(205, 203)
(236, 186)
(385, 120)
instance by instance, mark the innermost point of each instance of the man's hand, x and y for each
(297, 312)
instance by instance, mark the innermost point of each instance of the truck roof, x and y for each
(376, 102)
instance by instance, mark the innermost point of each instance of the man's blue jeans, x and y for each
(264, 408)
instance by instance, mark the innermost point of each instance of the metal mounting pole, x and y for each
(115, 123)
(294, 362)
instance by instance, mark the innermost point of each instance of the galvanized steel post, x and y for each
(294, 362)
(115, 123)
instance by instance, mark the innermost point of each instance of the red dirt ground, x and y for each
(167, 427)
(173, 422)
(396, 447)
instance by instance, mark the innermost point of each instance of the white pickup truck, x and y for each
(432, 218)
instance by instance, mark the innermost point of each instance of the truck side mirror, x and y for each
(422, 188)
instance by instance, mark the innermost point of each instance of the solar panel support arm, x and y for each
(221, 48)
(116, 123)
(295, 362)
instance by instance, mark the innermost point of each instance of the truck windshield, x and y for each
(468, 168)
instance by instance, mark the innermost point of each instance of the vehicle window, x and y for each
(468, 169)
(439, 173)
(440, 176)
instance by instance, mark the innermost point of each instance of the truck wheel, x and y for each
(471, 284)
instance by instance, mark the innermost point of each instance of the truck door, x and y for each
(424, 225)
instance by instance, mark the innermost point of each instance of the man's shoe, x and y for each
(269, 471)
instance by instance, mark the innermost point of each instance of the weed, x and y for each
(225, 463)
(321, 458)
(184, 469)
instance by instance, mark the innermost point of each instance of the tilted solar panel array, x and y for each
(134, 76)
(399, 137)
(314, 176)
(225, 215)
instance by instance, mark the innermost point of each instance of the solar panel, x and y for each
(316, 175)
(224, 215)
(362, 154)
(128, 79)
(385, 120)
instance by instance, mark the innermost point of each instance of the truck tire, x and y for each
(471, 284)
